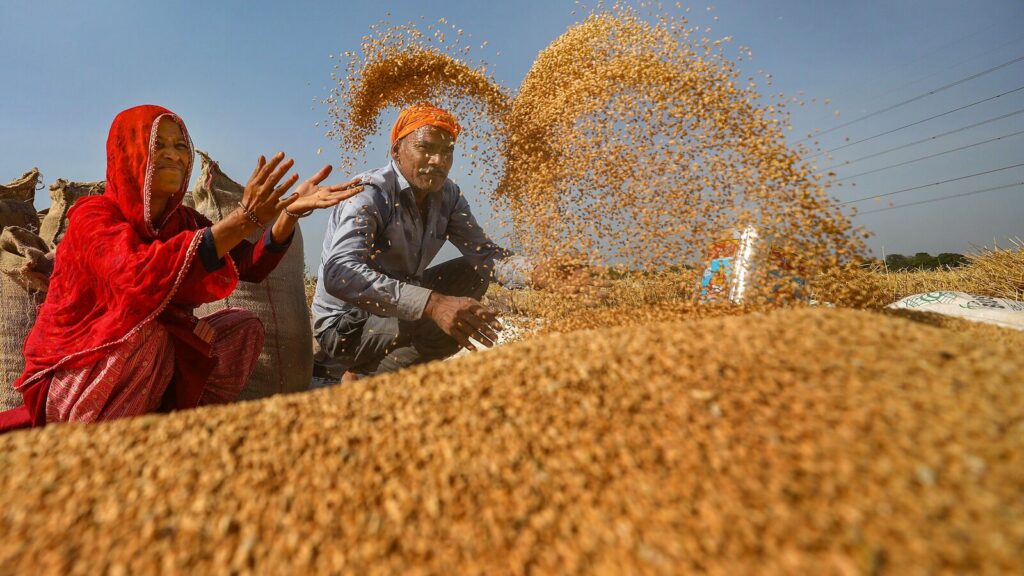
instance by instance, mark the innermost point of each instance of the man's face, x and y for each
(425, 157)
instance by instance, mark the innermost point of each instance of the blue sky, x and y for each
(247, 77)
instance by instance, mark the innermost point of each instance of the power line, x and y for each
(919, 97)
(961, 195)
(923, 140)
(930, 185)
(880, 95)
(897, 165)
(946, 113)
(948, 67)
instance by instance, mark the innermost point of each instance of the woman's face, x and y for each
(170, 159)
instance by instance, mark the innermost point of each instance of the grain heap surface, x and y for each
(800, 441)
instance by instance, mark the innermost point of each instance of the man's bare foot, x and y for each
(349, 377)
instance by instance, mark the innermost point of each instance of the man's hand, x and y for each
(463, 318)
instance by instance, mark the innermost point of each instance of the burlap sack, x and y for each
(23, 189)
(64, 194)
(18, 213)
(17, 202)
(286, 363)
(25, 267)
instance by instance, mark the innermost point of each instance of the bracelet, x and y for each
(252, 217)
(297, 216)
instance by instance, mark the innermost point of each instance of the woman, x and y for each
(117, 335)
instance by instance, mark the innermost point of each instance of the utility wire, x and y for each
(961, 195)
(946, 113)
(923, 140)
(897, 165)
(930, 185)
(918, 97)
(948, 67)
(880, 95)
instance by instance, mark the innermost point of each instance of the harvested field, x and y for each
(996, 272)
(799, 441)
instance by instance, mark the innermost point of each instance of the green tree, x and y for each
(920, 261)
(951, 260)
(895, 262)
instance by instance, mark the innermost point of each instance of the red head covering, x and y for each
(114, 270)
(420, 115)
(129, 145)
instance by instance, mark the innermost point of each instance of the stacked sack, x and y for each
(286, 362)
(25, 266)
(63, 194)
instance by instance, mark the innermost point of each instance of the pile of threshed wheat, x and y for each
(649, 436)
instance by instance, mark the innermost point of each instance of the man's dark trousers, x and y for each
(370, 344)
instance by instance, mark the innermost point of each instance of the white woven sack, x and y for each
(998, 311)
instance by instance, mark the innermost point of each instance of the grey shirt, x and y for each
(377, 247)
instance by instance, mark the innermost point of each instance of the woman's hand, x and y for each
(262, 198)
(262, 194)
(309, 196)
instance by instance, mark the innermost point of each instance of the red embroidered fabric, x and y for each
(115, 272)
(131, 380)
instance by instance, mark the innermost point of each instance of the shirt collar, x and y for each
(403, 184)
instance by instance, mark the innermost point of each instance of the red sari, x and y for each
(116, 272)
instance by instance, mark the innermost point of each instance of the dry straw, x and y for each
(997, 272)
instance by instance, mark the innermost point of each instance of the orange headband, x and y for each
(423, 114)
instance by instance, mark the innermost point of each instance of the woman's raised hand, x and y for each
(310, 196)
(263, 192)
(263, 195)
(263, 203)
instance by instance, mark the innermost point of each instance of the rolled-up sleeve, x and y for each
(489, 259)
(347, 270)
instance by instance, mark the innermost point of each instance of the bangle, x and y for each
(297, 216)
(252, 217)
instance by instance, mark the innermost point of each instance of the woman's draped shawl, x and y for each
(115, 272)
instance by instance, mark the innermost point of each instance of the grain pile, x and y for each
(801, 441)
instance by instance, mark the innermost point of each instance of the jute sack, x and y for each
(64, 194)
(23, 189)
(286, 362)
(17, 199)
(25, 267)
(18, 213)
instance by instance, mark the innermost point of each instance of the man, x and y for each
(377, 308)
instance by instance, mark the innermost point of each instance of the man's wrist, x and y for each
(428, 308)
